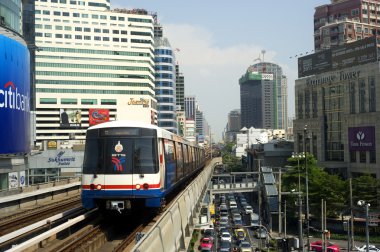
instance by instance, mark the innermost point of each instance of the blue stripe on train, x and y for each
(152, 197)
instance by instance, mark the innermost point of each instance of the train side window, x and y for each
(170, 162)
(179, 173)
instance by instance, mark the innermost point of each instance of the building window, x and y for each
(87, 29)
(69, 101)
(315, 103)
(106, 39)
(361, 95)
(307, 104)
(57, 13)
(78, 28)
(108, 102)
(372, 157)
(67, 36)
(362, 157)
(48, 100)
(372, 94)
(78, 36)
(353, 156)
(115, 39)
(89, 102)
(300, 105)
(352, 97)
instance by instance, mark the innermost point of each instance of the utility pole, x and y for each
(307, 188)
(279, 205)
(352, 216)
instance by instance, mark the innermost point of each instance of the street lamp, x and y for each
(362, 203)
(298, 156)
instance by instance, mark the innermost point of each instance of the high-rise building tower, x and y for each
(190, 107)
(234, 121)
(165, 84)
(91, 57)
(345, 21)
(262, 95)
(180, 89)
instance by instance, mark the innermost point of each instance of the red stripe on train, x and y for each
(104, 187)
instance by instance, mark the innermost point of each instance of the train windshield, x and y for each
(120, 155)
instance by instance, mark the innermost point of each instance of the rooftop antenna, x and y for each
(263, 52)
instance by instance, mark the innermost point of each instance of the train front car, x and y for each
(121, 169)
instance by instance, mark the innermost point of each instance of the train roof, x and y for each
(124, 123)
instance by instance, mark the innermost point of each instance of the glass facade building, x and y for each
(165, 84)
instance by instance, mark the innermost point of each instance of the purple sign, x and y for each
(361, 139)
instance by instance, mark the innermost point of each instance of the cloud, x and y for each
(212, 72)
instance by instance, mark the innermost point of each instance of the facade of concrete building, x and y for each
(165, 84)
(233, 125)
(337, 108)
(180, 89)
(91, 57)
(15, 142)
(199, 121)
(262, 96)
(345, 21)
(190, 107)
(190, 129)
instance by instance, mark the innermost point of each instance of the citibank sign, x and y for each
(10, 98)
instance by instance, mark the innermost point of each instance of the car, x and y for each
(248, 209)
(210, 233)
(223, 230)
(206, 243)
(235, 211)
(239, 234)
(238, 223)
(224, 246)
(261, 233)
(226, 236)
(245, 247)
(318, 246)
(371, 248)
(223, 220)
(205, 249)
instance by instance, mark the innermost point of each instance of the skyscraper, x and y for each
(345, 21)
(165, 82)
(180, 89)
(91, 57)
(190, 107)
(263, 94)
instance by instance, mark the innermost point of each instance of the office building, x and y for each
(345, 21)
(263, 94)
(91, 57)
(233, 125)
(180, 89)
(190, 107)
(165, 83)
(337, 109)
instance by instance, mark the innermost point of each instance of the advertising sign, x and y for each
(22, 179)
(356, 53)
(359, 52)
(14, 97)
(97, 116)
(361, 138)
(70, 118)
(314, 63)
(13, 180)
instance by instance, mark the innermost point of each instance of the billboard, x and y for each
(356, 53)
(96, 116)
(361, 138)
(314, 63)
(359, 52)
(14, 97)
(70, 118)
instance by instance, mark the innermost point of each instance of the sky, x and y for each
(218, 40)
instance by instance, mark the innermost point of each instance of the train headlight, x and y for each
(138, 186)
(99, 186)
(146, 186)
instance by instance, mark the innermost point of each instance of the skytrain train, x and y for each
(132, 164)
